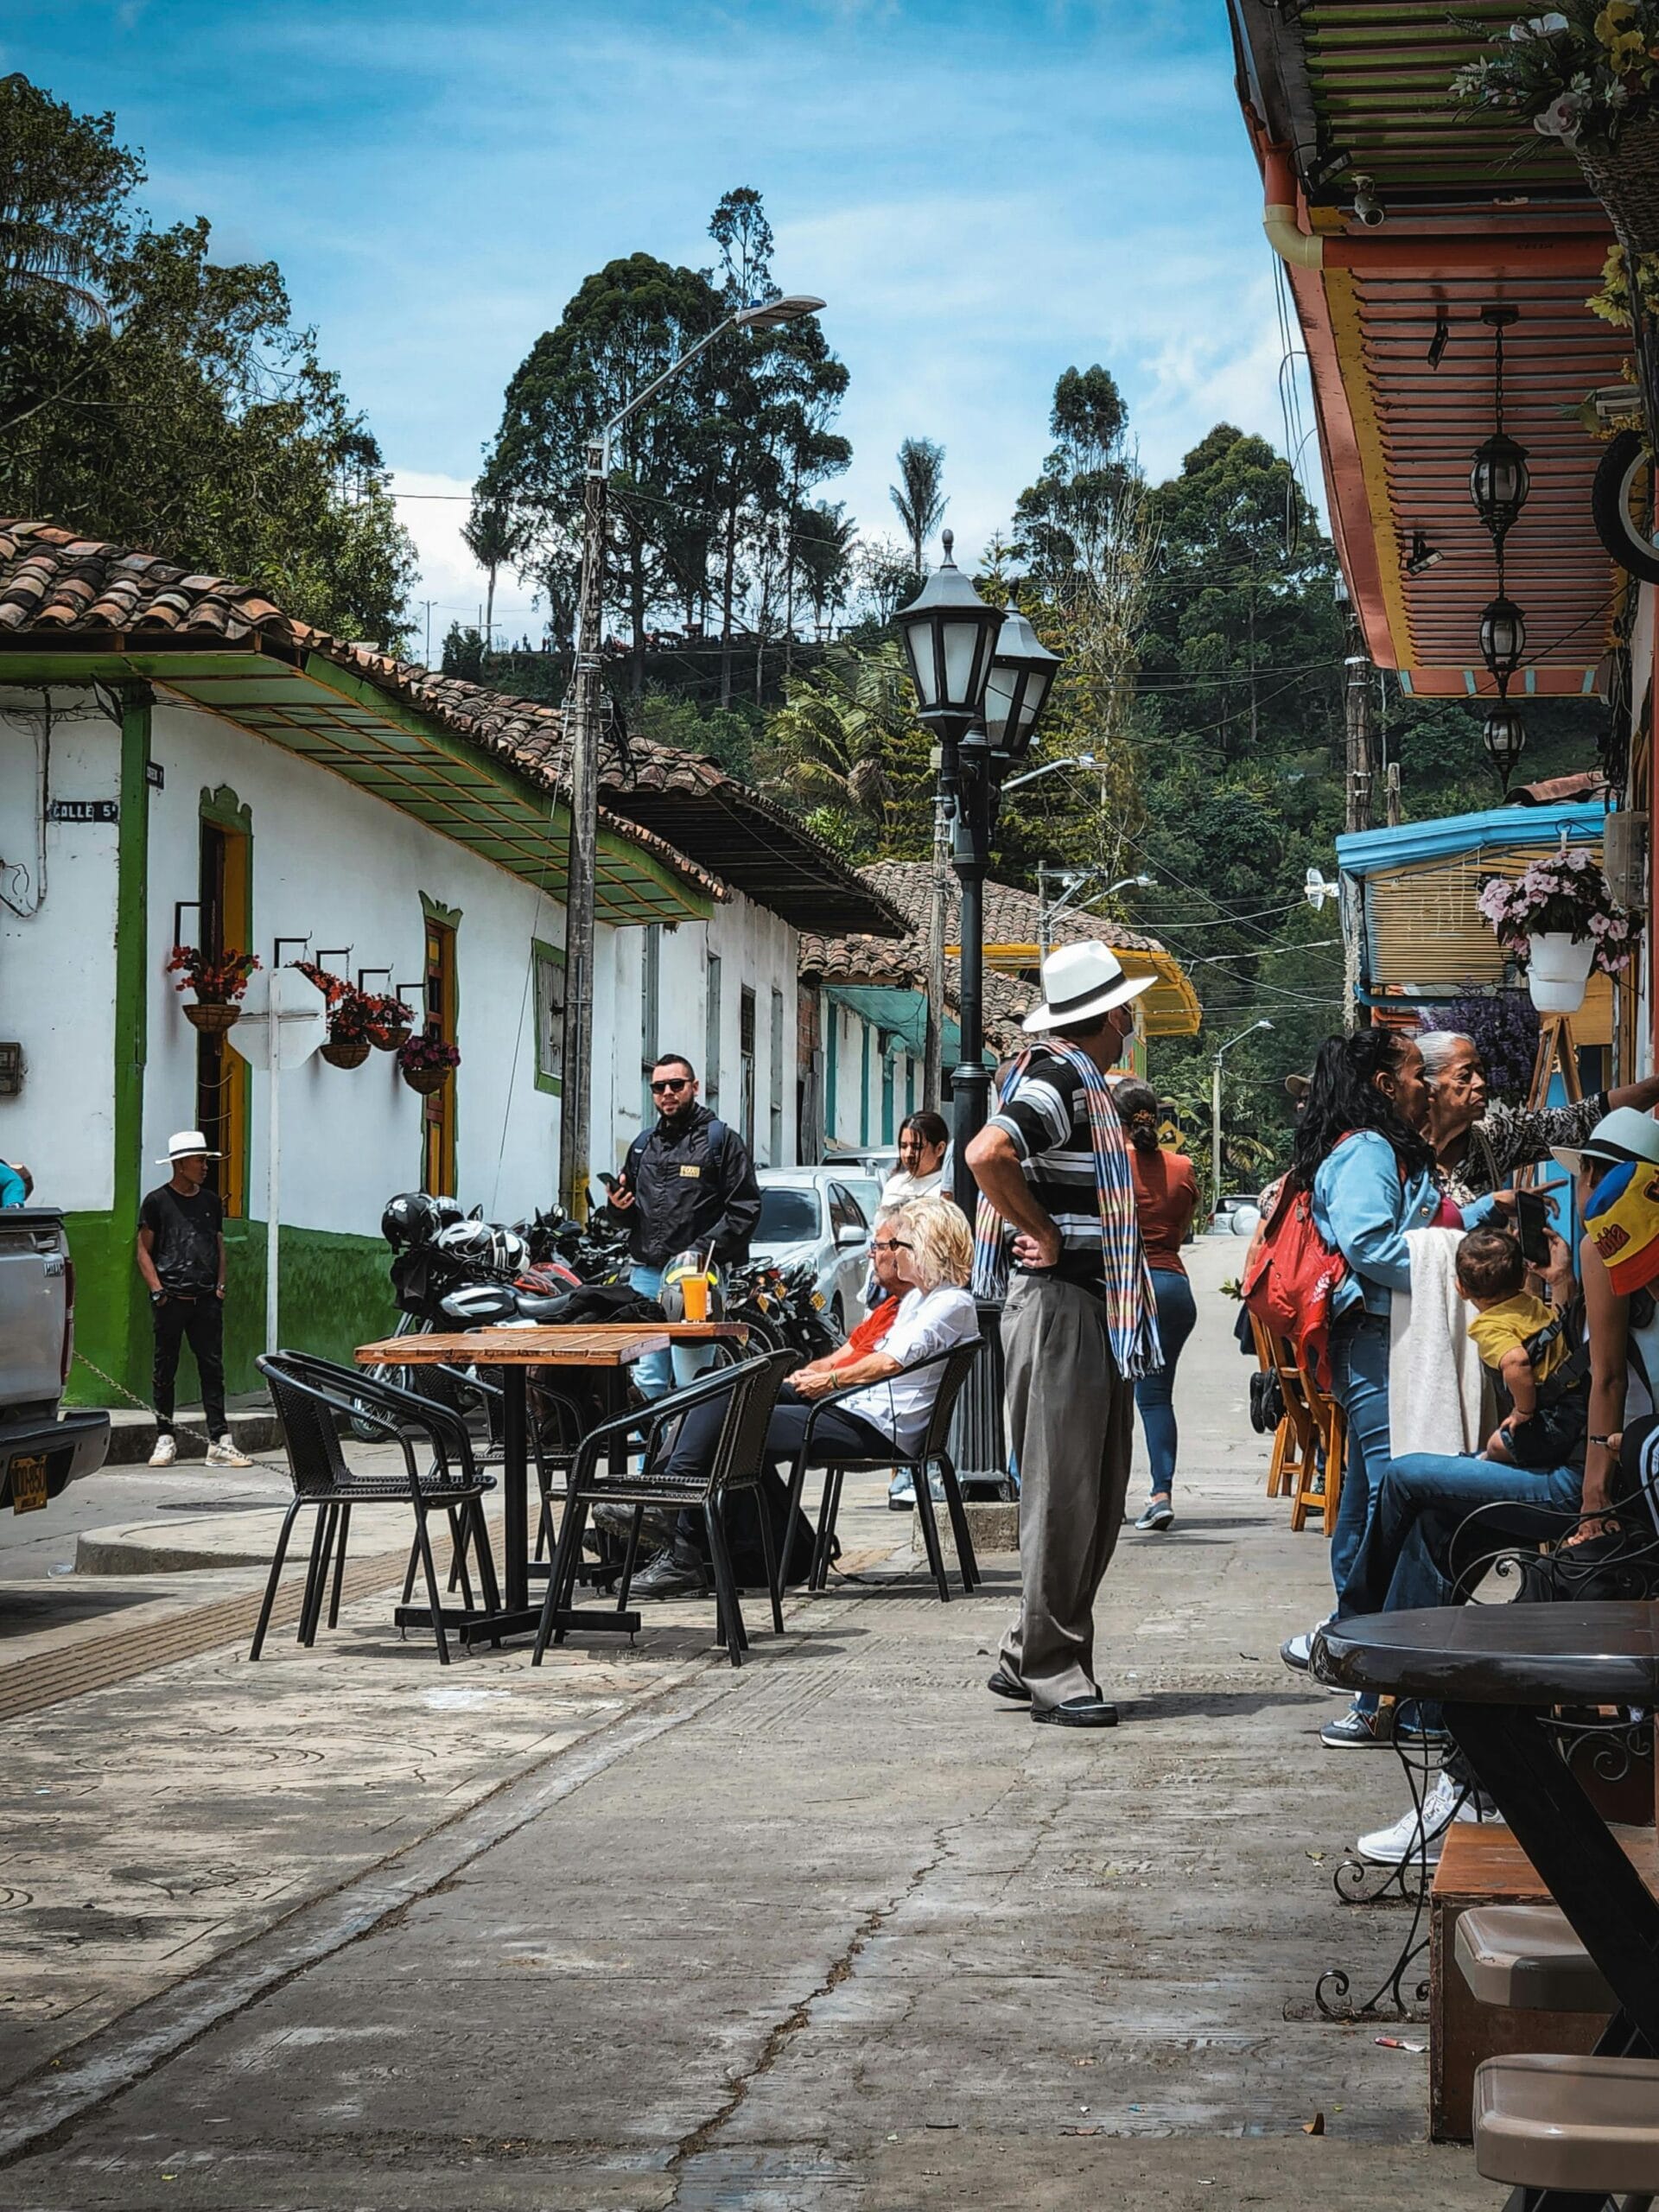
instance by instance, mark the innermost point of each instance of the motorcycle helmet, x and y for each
(466, 1243)
(444, 1210)
(671, 1297)
(481, 1305)
(509, 1254)
(408, 1220)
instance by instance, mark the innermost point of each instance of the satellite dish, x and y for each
(1316, 890)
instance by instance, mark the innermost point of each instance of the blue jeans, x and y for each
(1359, 1375)
(659, 1372)
(1406, 1559)
(1155, 1393)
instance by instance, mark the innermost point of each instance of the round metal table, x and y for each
(1497, 1670)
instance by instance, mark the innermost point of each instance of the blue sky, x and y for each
(985, 193)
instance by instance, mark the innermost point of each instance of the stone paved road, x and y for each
(836, 1930)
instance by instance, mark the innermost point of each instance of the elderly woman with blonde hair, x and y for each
(931, 1252)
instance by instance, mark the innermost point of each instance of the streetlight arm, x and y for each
(1242, 1035)
(1081, 760)
(602, 445)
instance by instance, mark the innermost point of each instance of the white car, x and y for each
(810, 1213)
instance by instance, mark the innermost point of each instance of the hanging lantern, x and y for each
(1499, 480)
(950, 635)
(1502, 639)
(1504, 736)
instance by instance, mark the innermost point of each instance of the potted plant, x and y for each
(1587, 74)
(1556, 917)
(348, 1042)
(388, 1020)
(426, 1061)
(219, 980)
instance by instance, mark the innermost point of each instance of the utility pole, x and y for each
(427, 604)
(1357, 716)
(933, 1048)
(584, 707)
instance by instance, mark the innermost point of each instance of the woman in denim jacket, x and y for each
(1360, 1150)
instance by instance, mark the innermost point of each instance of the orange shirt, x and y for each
(1165, 1199)
(869, 1334)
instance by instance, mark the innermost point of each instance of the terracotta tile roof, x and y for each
(683, 807)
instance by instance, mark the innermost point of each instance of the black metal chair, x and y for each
(955, 1366)
(736, 1464)
(309, 1392)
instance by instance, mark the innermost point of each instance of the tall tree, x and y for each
(624, 326)
(493, 534)
(918, 495)
(181, 411)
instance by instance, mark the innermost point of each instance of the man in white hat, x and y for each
(182, 1259)
(1079, 1325)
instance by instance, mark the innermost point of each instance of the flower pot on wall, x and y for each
(426, 1080)
(1558, 971)
(212, 1021)
(348, 1053)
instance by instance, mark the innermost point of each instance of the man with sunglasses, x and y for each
(687, 1184)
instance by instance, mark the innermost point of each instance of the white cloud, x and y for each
(432, 508)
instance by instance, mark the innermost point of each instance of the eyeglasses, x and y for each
(671, 1083)
(891, 1244)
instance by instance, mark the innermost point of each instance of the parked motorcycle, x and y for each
(783, 1307)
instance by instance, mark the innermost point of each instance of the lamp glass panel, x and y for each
(919, 651)
(961, 660)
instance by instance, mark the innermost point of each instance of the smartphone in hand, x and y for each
(1531, 1222)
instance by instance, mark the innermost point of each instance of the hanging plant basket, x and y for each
(1558, 970)
(345, 1053)
(426, 1080)
(1624, 177)
(212, 1021)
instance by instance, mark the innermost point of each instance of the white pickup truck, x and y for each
(41, 1448)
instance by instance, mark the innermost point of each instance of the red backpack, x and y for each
(1294, 1279)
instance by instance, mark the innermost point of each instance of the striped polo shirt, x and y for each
(1047, 1121)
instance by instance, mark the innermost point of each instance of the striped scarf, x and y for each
(1131, 1310)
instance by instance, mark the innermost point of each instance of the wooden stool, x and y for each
(1329, 1428)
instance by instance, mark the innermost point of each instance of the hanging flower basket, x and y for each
(1558, 918)
(345, 1052)
(219, 980)
(426, 1062)
(388, 1021)
(353, 1014)
(1624, 177)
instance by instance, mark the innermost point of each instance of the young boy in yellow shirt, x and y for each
(1523, 1343)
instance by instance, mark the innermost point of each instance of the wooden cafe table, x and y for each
(604, 1351)
(1497, 1670)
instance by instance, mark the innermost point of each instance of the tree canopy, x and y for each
(156, 395)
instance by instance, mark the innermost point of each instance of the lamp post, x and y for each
(1214, 1107)
(982, 678)
(583, 713)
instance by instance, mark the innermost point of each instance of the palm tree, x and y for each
(834, 727)
(493, 536)
(921, 506)
(821, 542)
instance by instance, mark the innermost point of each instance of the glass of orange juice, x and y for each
(695, 1289)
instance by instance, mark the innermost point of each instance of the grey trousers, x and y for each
(1072, 1421)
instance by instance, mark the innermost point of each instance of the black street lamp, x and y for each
(1504, 736)
(982, 679)
(1502, 639)
(1499, 480)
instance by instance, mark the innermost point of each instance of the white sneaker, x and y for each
(1419, 1837)
(225, 1454)
(166, 1451)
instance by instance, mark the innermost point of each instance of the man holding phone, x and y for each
(688, 1183)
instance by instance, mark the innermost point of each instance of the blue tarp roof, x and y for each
(1364, 851)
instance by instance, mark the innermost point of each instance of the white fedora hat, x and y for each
(1082, 981)
(1618, 1136)
(187, 1144)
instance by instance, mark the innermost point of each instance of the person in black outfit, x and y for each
(687, 1184)
(182, 1258)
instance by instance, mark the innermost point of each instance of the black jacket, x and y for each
(681, 1200)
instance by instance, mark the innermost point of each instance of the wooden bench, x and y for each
(1482, 1864)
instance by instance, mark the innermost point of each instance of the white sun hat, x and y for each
(1080, 982)
(187, 1144)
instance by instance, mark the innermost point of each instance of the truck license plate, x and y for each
(28, 1482)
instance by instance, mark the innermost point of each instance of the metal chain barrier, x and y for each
(179, 1427)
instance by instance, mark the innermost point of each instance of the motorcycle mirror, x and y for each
(477, 1214)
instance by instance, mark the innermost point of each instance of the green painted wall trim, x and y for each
(829, 1029)
(336, 1294)
(436, 910)
(864, 1085)
(222, 806)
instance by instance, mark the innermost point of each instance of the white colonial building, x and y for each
(180, 762)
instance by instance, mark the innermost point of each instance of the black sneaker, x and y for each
(676, 1573)
(1159, 1513)
(1358, 1731)
(1003, 1685)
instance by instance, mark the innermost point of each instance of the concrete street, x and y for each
(346, 1930)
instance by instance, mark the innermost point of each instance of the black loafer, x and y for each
(1001, 1685)
(1076, 1712)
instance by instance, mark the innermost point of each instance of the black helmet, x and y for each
(444, 1210)
(408, 1220)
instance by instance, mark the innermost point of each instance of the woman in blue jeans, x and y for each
(1361, 1152)
(1165, 1197)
